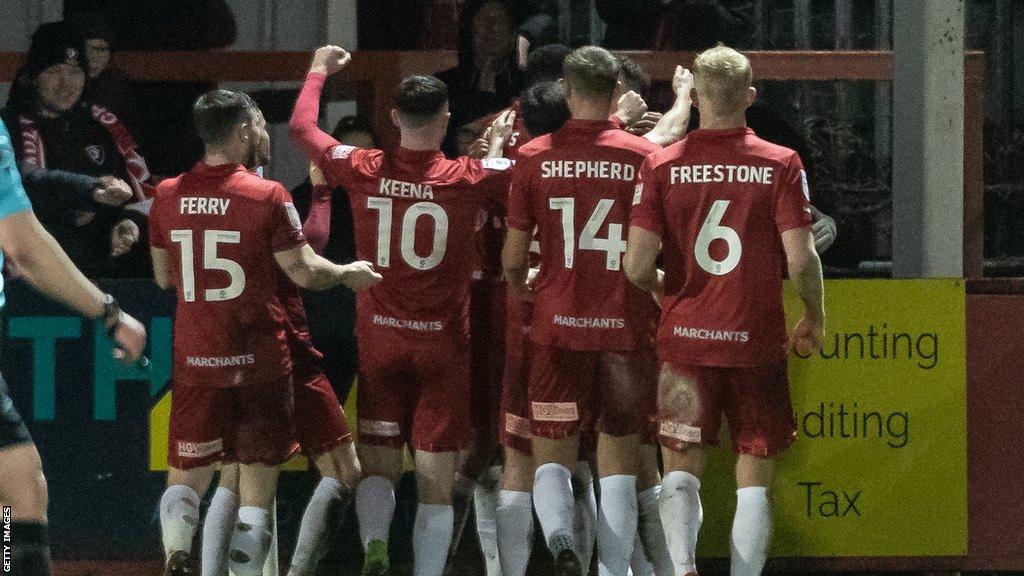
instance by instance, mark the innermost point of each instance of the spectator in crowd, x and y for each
(87, 182)
(105, 85)
(487, 76)
(675, 24)
(537, 25)
(328, 226)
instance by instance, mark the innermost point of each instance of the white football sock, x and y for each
(431, 538)
(586, 514)
(217, 527)
(485, 503)
(638, 564)
(617, 523)
(375, 507)
(553, 500)
(316, 521)
(250, 541)
(751, 531)
(179, 517)
(681, 516)
(652, 535)
(515, 531)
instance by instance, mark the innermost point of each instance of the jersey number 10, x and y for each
(410, 219)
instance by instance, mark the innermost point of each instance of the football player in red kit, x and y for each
(212, 233)
(593, 354)
(729, 213)
(323, 436)
(414, 213)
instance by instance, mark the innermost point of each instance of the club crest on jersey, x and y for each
(96, 154)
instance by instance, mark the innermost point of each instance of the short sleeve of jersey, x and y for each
(12, 194)
(157, 235)
(493, 175)
(648, 211)
(520, 209)
(341, 163)
(285, 223)
(793, 198)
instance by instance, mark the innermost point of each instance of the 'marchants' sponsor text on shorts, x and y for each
(602, 323)
(707, 334)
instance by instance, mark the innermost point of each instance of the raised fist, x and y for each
(330, 59)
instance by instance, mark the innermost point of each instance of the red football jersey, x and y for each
(720, 200)
(576, 187)
(415, 214)
(220, 226)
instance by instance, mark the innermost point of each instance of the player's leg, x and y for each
(383, 407)
(561, 386)
(627, 383)
(262, 444)
(325, 438)
(584, 491)
(201, 418)
(651, 554)
(515, 506)
(762, 426)
(439, 434)
(689, 416)
(23, 488)
(486, 499)
(220, 522)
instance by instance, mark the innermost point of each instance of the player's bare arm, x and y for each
(304, 267)
(515, 260)
(161, 271)
(672, 126)
(499, 133)
(41, 261)
(640, 261)
(805, 273)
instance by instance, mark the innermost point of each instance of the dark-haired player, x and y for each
(220, 236)
(592, 331)
(414, 213)
(718, 206)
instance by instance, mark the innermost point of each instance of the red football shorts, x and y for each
(569, 387)
(755, 401)
(319, 418)
(250, 424)
(417, 396)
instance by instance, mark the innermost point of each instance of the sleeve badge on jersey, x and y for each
(293, 215)
(496, 163)
(341, 152)
(803, 184)
(638, 194)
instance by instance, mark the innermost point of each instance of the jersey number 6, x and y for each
(713, 230)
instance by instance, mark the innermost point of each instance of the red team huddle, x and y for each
(606, 356)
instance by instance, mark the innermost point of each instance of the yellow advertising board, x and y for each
(879, 467)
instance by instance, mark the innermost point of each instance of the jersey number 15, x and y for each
(211, 238)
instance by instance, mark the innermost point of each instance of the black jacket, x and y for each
(78, 150)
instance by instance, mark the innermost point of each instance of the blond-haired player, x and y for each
(718, 206)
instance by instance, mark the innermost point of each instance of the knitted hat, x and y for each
(54, 43)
